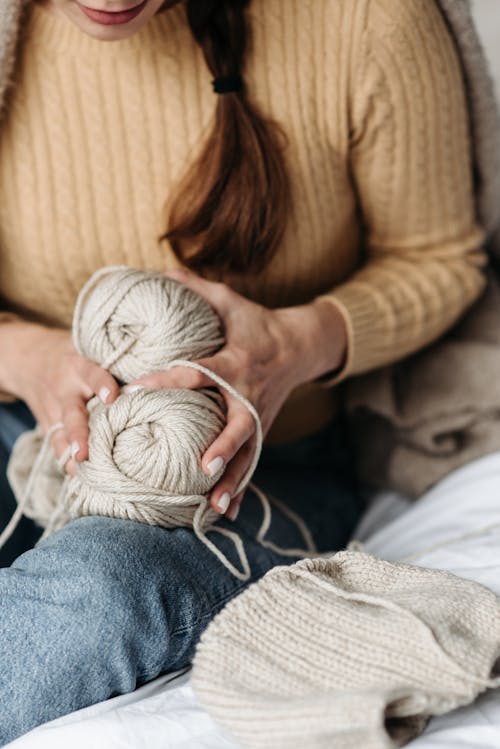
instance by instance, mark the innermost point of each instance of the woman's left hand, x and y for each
(266, 355)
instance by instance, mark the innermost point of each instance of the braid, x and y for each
(233, 203)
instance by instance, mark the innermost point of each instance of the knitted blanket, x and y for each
(347, 652)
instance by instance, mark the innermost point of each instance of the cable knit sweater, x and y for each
(370, 95)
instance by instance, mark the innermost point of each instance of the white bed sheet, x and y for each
(165, 713)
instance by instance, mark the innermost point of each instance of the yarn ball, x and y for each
(145, 453)
(134, 322)
(144, 463)
(145, 449)
(346, 651)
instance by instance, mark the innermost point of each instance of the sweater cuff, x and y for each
(6, 317)
(329, 380)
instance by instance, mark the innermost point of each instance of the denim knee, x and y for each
(96, 609)
(134, 589)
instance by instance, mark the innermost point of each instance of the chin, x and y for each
(107, 33)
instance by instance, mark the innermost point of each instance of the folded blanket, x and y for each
(416, 421)
(348, 651)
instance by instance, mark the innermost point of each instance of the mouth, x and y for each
(111, 18)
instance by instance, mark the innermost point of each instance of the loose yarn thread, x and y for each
(145, 448)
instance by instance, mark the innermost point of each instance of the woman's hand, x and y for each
(41, 367)
(267, 354)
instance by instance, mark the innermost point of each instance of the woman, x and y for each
(319, 196)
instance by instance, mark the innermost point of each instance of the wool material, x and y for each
(347, 651)
(135, 323)
(145, 448)
(144, 463)
(383, 221)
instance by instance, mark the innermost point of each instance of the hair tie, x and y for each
(227, 84)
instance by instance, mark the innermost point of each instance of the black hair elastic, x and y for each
(228, 84)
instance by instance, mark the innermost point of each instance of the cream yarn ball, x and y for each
(144, 462)
(135, 322)
(145, 449)
(145, 458)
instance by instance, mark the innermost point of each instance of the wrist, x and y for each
(333, 337)
(18, 339)
(316, 335)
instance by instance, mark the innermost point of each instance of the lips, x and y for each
(107, 18)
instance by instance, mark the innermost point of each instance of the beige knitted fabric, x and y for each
(371, 98)
(348, 651)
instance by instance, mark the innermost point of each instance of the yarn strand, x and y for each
(244, 483)
(311, 549)
(41, 457)
(244, 401)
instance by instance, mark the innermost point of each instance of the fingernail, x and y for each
(223, 502)
(104, 394)
(132, 388)
(75, 449)
(234, 513)
(215, 465)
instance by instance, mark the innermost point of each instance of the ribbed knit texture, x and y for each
(346, 652)
(369, 93)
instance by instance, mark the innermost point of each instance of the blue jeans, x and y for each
(104, 605)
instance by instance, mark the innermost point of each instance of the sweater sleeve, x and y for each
(5, 318)
(411, 164)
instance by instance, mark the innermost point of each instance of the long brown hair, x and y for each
(230, 210)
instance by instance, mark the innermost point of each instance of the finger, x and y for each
(216, 294)
(223, 494)
(178, 377)
(234, 508)
(76, 428)
(61, 447)
(239, 428)
(59, 443)
(100, 382)
(70, 467)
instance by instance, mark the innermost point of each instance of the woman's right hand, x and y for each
(40, 366)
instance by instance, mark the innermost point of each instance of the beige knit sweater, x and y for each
(370, 95)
